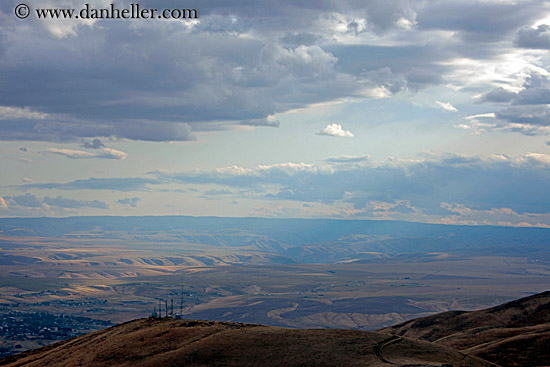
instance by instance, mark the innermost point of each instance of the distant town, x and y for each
(40, 328)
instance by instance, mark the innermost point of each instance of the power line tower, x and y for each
(181, 300)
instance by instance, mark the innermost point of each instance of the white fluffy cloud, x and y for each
(335, 130)
(446, 106)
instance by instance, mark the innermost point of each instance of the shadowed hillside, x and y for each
(516, 333)
(168, 342)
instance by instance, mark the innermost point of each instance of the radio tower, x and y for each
(181, 301)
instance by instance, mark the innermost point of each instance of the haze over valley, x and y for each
(283, 272)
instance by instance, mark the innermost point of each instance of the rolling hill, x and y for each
(169, 342)
(516, 333)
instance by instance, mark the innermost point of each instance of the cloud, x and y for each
(237, 176)
(248, 63)
(68, 131)
(112, 184)
(335, 130)
(535, 38)
(30, 201)
(109, 153)
(217, 192)
(262, 122)
(498, 95)
(530, 107)
(95, 144)
(10, 112)
(446, 106)
(529, 115)
(487, 122)
(105, 153)
(348, 159)
(3, 204)
(425, 184)
(69, 153)
(132, 202)
(141, 94)
(61, 28)
(155, 131)
(526, 111)
(62, 202)
(476, 21)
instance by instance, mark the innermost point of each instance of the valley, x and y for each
(367, 276)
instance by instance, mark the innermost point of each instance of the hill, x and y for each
(516, 333)
(169, 342)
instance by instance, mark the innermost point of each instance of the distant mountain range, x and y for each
(513, 334)
(296, 240)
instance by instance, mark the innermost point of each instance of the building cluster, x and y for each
(42, 326)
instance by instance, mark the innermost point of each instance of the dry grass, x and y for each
(516, 333)
(168, 342)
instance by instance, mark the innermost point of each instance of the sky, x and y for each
(426, 111)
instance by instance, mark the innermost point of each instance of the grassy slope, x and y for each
(168, 342)
(516, 333)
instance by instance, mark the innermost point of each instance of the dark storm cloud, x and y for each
(529, 115)
(526, 111)
(242, 62)
(477, 21)
(530, 107)
(536, 38)
(536, 90)
(498, 95)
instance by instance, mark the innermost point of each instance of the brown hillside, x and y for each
(516, 333)
(169, 342)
